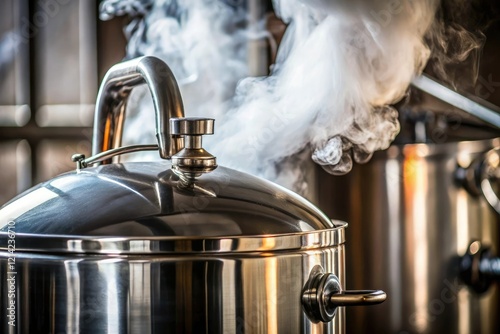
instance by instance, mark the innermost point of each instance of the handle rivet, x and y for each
(80, 160)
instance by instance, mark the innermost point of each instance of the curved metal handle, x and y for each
(358, 297)
(490, 172)
(323, 294)
(82, 162)
(112, 99)
(478, 177)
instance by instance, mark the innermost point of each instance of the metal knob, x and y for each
(479, 268)
(482, 177)
(323, 293)
(193, 160)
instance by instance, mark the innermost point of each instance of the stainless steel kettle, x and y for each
(428, 231)
(180, 245)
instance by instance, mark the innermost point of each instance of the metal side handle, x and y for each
(481, 176)
(358, 297)
(490, 173)
(323, 294)
(479, 268)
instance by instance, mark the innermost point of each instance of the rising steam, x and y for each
(456, 40)
(203, 42)
(340, 66)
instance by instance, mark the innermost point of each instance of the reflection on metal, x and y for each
(155, 203)
(82, 162)
(393, 180)
(462, 217)
(408, 201)
(141, 305)
(272, 291)
(37, 198)
(73, 284)
(491, 175)
(323, 294)
(479, 268)
(415, 190)
(484, 110)
(193, 160)
(464, 312)
(181, 293)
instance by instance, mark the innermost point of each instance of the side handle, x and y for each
(323, 294)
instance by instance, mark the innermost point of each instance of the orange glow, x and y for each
(268, 244)
(416, 190)
(106, 135)
(272, 294)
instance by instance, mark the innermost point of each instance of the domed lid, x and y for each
(147, 208)
(184, 205)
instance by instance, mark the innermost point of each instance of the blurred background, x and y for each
(52, 57)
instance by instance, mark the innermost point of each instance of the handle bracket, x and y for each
(82, 162)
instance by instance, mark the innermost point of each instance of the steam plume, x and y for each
(456, 40)
(340, 66)
(203, 42)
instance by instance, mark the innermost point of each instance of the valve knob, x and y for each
(193, 160)
(192, 126)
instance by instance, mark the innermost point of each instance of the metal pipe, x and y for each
(487, 113)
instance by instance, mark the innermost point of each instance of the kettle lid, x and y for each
(145, 207)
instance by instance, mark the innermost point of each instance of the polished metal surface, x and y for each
(149, 247)
(178, 245)
(484, 111)
(490, 174)
(252, 293)
(323, 294)
(357, 297)
(479, 268)
(193, 160)
(148, 200)
(411, 221)
(82, 162)
(112, 100)
(192, 126)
